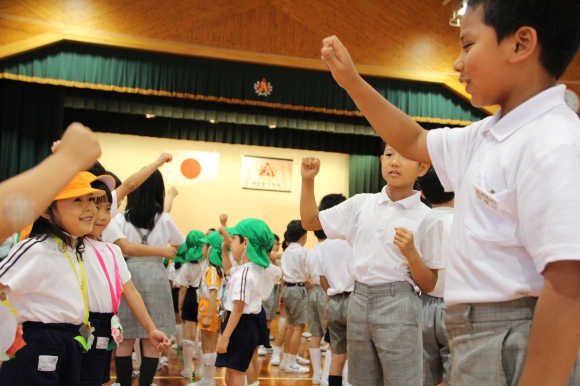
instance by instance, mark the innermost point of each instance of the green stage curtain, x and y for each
(32, 118)
(365, 174)
(146, 73)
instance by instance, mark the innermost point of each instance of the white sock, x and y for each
(285, 358)
(316, 358)
(137, 349)
(281, 323)
(327, 362)
(208, 368)
(277, 352)
(345, 374)
(188, 347)
(179, 333)
(291, 360)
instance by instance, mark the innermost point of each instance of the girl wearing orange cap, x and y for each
(45, 280)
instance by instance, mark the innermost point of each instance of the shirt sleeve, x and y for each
(20, 272)
(175, 236)
(339, 222)
(243, 286)
(181, 277)
(114, 203)
(121, 263)
(430, 243)
(450, 151)
(212, 279)
(113, 232)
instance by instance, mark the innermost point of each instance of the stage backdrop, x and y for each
(262, 173)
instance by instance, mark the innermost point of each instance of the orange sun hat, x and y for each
(80, 186)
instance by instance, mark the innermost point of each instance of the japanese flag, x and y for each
(191, 168)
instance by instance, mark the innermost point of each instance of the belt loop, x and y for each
(467, 318)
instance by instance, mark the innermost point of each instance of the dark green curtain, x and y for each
(31, 119)
(365, 174)
(113, 69)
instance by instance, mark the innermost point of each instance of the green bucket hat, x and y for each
(260, 239)
(214, 240)
(191, 250)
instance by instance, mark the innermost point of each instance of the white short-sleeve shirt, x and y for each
(112, 232)
(312, 263)
(245, 285)
(293, 264)
(165, 231)
(191, 274)
(528, 162)
(333, 257)
(272, 276)
(41, 283)
(98, 287)
(367, 222)
(446, 216)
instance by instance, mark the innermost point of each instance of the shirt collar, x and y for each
(502, 127)
(407, 203)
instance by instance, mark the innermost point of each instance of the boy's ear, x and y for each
(523, 44)
(423, 168)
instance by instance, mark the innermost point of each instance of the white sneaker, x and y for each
(262, 350)
(323, 382)
(163, 362)
(198, 373)
(135, 374)
(297, 369)
(186, 373)
(176, 346)
(325, 347)
(306, 335)
(275, 361)
(283, 365)
(272, 337)
(200, 383)
(316, 380)
(302, 361)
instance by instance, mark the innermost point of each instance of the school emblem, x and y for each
(263, 87)
(267, 172)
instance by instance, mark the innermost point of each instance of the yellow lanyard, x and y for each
(82, 284)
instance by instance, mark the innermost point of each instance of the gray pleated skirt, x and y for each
(150, 279)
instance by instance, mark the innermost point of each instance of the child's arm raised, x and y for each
(26, 196)
(308, 208)
(423, 276)
(135, 180)
(394, 126)
(168, 204)
(555, 337)
(226, 263)
(234, 319)
(139, 311)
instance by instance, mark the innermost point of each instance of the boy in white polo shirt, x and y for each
(396, 242)
(436, 353)
(514, 241)
(338, 284)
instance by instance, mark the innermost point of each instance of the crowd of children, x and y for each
(405, 293)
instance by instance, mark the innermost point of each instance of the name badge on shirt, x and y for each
(489, 200)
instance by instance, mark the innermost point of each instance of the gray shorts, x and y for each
(336, 313)
(489, 341)
(436, 354)
(316, 303)
(295, 304)
(384, 335)
(271, 304)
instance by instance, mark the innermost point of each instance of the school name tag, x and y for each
(489, 200)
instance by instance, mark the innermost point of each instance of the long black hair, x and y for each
(145, 202)
(44, 228)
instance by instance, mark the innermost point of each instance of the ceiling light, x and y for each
(212, 121)
(272, 127)
(149, 115)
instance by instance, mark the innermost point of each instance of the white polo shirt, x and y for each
(272, 276)
(165, 231)
(293, 264)
(191, 274)
(112, 232)
(529, 162)
(312, 263)
(368, 221)
(333, 257)
(98, 286)
(245, 285)
(41, 283)
(446, 216)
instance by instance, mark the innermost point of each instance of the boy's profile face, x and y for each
(103, 218)
(482, 63)
(399, 171)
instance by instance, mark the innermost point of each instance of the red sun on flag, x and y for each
(190, 168)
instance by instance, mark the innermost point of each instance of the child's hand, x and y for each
(169, 252)
(164, 158)
(227, 237)
(310, 167)
(309, 284)
(222, 345)
(159, 340)
(81, 145)
(224, 219)
(404, 240)
(206, 322)
(172, 191)
(336, 57)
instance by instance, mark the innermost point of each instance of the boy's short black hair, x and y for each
(328, 202)
(557, 23)
(294, 231)
(433, 190)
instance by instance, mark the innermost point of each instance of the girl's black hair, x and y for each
(44, 228)
(219, 269)
(117, 180)
(146, 202)
(102, 186)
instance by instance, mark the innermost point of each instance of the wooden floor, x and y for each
(269, 375)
